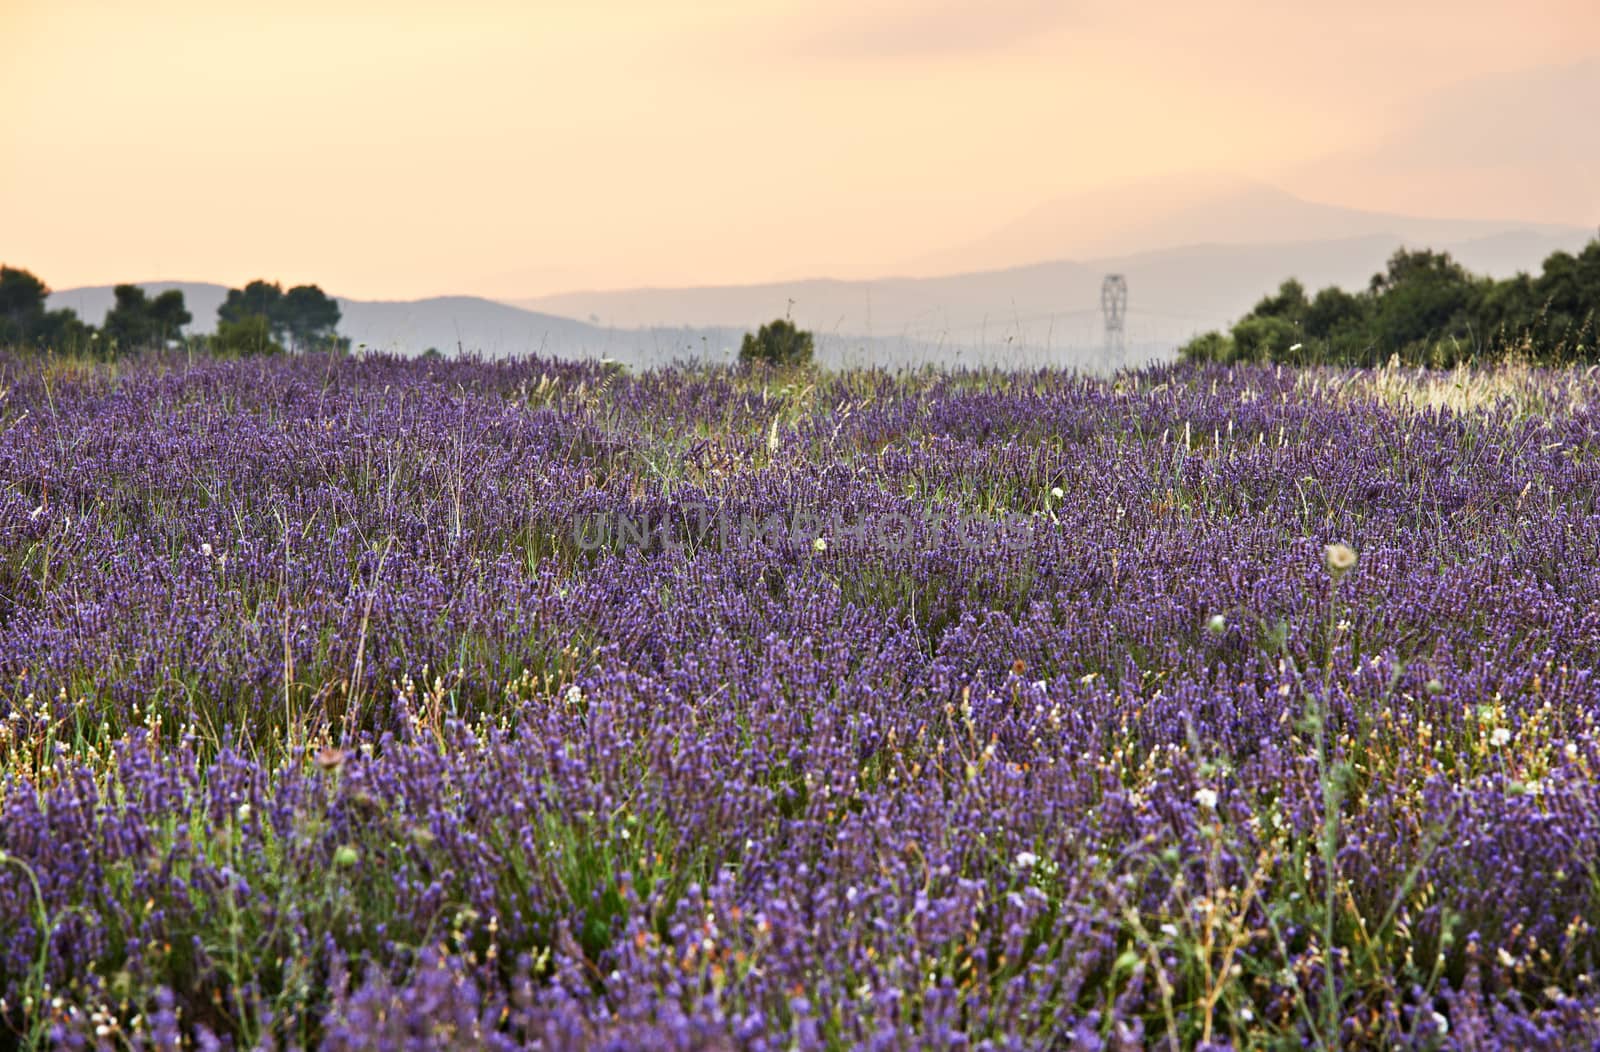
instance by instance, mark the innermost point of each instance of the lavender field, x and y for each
(382, 704)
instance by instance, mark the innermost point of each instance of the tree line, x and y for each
(261, 318)
(1424, 308)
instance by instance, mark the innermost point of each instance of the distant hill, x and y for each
(93, 301)
(1044, 313)
(1173, 293)
(454, 323)
(450, 324)
(1142, 217)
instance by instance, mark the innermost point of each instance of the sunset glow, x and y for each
(406, 149)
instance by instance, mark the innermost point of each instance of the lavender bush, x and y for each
(1201, 708)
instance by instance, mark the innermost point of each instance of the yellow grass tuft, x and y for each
(1525, 390)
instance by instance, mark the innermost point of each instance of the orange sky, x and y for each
(399, 149)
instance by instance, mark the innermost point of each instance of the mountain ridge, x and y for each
(1047, 311)
(1173, 292)
(448, 323)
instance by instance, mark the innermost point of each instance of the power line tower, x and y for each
(1114, 304)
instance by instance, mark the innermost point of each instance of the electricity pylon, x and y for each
(1114, 304)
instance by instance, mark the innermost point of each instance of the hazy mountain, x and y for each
(93, 301)
(449, 323)
(1044, 313)
(452, 323)
(1152, 216)
(1173, 293)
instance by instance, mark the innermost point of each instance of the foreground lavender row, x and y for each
(328, 723)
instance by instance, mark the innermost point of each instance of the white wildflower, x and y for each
(1499, 736)
(1206, 798)
(1027, 860)
(1339, 558)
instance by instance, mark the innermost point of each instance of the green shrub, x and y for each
(1262, 339)
(777, 343)
(246, 336)
(1208, 347)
